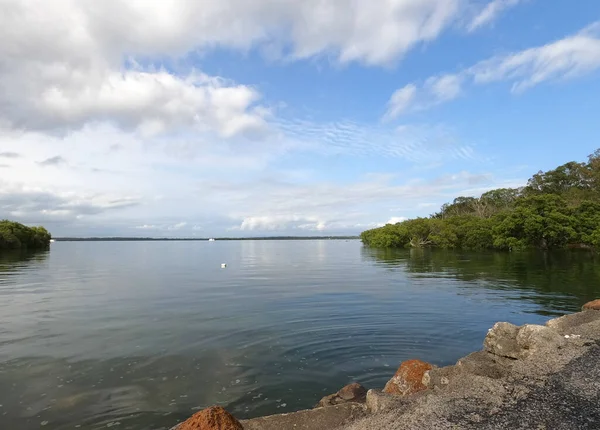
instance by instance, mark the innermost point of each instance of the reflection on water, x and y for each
(14, 261)
(144, 333)
(559, 281)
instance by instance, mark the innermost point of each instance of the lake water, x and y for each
(139, 335)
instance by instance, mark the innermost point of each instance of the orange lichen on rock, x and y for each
(594, 305)
(408, 378)
(213, 418)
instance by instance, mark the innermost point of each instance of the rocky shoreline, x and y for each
(533, 376)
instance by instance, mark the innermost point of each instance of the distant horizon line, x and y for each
(205, 239)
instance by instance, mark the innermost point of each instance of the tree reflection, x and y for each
(14, 260)
(560, 281)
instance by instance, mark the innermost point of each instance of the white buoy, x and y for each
(223, 265)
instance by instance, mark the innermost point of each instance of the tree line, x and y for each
(556, 209)
(14, 236)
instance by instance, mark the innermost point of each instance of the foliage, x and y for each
(14, 235)
(587, 220)
(542, 221)
(556, 209)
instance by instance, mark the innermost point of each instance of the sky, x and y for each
(176, 118)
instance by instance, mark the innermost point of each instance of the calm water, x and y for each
(139, 335)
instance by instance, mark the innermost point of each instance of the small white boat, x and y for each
(52, 241)
(211, 240)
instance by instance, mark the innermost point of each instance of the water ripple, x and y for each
(139, 335)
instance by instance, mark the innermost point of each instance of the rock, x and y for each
(508, 340)
(532, 337)
(582, 324)
(439, 377)
(594, 305)
(408, 378)
(568, 324)
(213, 418)
(353, 392)
(329, 400)
(350, 393)
(482, 363)
(378, 401)
(501, 340)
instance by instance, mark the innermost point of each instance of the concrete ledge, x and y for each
(330, 417)
(378, 401)
(574, 323)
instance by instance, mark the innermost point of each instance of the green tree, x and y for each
(573, 181)
(557, 208)
(587, 222)
(501, 199)
(14, 235)
(594, 173)
(542, 221)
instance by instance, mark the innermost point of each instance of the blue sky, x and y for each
(272, 117)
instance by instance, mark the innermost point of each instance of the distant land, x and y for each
(134, 239)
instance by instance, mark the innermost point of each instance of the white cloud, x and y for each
(126, 177)
(37, 204)
(164, 227)
(568, 58)
(396, 219)
(99, 67)
(280, 222)
(64, 64)
(298, 225)
(147, 227)
(375, 32)
(323, 206)
(151, 102)
(442, 88)
(400, 101)
(103, 121)
(53, 161)
(67, 63)
(372, 32)
(417, 143)
(490, 12)
(177, 226)
(434, 91)
(135, 188)
(9, 155)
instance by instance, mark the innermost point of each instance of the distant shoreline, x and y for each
(146, 239)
